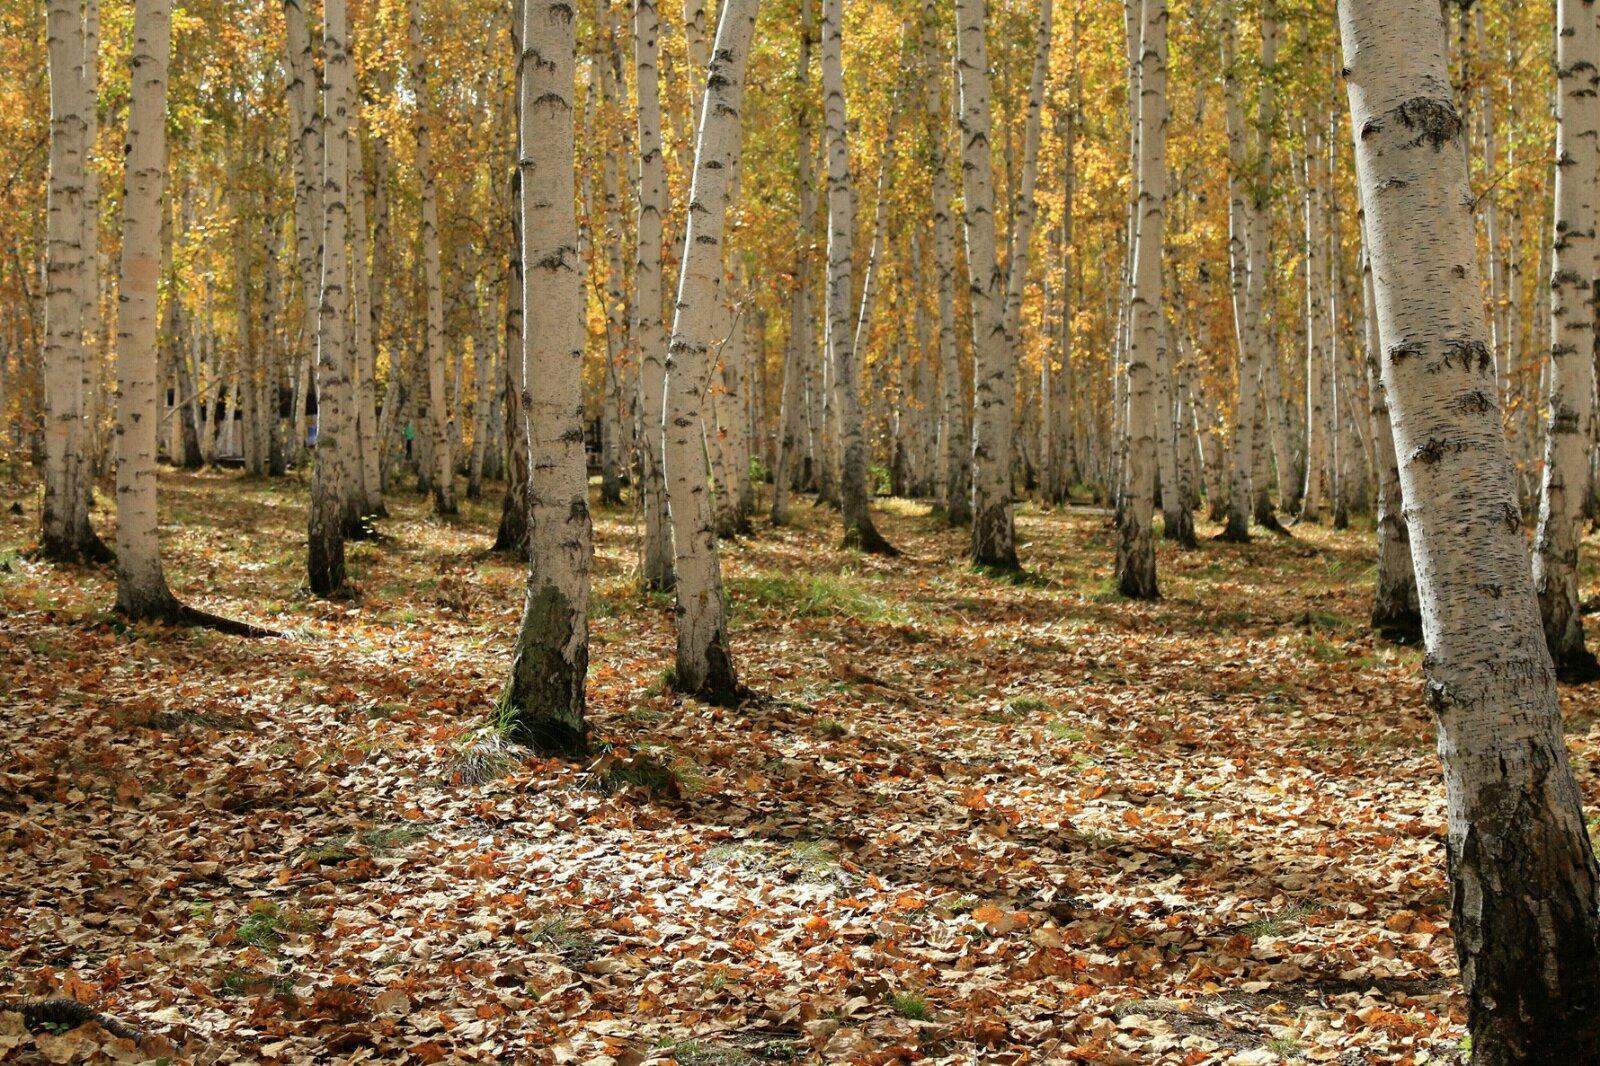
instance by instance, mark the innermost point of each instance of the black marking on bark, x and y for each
(1435, 121)
(1370, 127)
(1475, 402)
(1400, 351)
(1469, 351)
(1393, 183)
(1510, 517)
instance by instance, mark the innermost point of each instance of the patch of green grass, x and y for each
(909, 1005)
(704, 1053)
(392, 837)
(831, 729)
(562, 933)
(815, 859)
(267, 925)
(1062, 731)
(816, 596)
(236, 981)
(1277, 923)
(1285, 1047)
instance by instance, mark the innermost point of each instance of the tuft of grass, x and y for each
(237, 981)
(562, 933)
(704, 1053)
(909, 1005)
(816, 596)
(267, 925)
(1277, 923)
(831, 729)
(393, 837)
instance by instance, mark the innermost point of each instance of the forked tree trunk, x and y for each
(656, 553)
(1568, 439)
(1136, 553)
(329, 486)
(855, 499)
(543, 704)
(1524, 909)
(705, 663)
(142, 591)
(993, 541)
(955, 429)
(441, 414)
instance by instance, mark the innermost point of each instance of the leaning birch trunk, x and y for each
(1567, 444)
(955, 430)
(1136, 553)
(330, 479)
(1242, 288)
(142, 590)
(65, 531)
(543, 704)
(802, 336)
(993, 532)
(655, 557)
(1395, 612)
(1524, 909)
(705, 664)
(843, 352)
(441, 415)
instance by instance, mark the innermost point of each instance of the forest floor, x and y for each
(961, 820)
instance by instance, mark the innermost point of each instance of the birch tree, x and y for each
(846, 359)
(441, 414)
(1136, 553)
(543, 704)
(705, 662)
(955, 430)
(656, 553)
(65, 532)
(1569, 430)
(1524, 908)
(330, 483)
(142, 590)
(993, 541)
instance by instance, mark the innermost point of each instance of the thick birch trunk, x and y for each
(1242, 288)
(994, 361)
(543, 704)
(704, 663)
(1136, 555)
(142, 590)
(305, 155)
(1568, 439)
(330, 481)
(1524, 913)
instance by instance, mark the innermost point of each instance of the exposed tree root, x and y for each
(38, 1013)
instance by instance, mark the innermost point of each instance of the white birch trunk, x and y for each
(704, 663)
(1568, 439)
(656, 553)
(330, 481)
(955, 429)
(543, 704)
(993, 541)
(142, 590)
(1242, 289)
(441, 413)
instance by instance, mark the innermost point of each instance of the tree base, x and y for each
(1398, 627)
(1577, 667)
(1179, 529)
(172, 612)
(864, 536)
(85, 550)
(1234, 533)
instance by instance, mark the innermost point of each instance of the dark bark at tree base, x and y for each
(325, 574)
(719, 687)
(1523, 913)
(864, 536)
(171, 611)
(1136, 563)
(85, 549)
(1181, 532)
(512, 536)
(1397, 625)
(1234, 533)
(1577, 667)
(543, 705)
